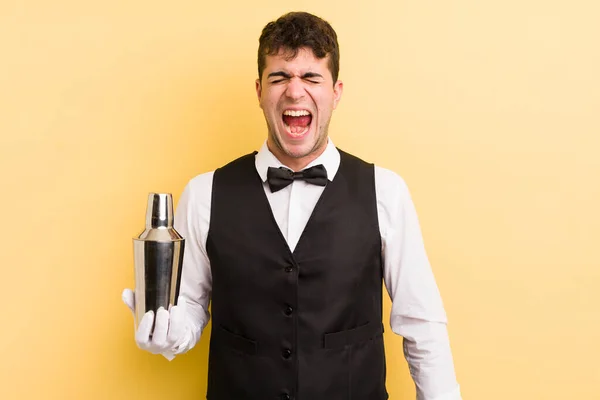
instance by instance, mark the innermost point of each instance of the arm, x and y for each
(178, 329)
(417, 310)
(192, 220)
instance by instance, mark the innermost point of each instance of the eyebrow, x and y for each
(288, 76)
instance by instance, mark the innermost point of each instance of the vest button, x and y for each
(289, 268)
(288, 311)
(287, 353)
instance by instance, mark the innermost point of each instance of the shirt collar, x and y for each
(330, 158)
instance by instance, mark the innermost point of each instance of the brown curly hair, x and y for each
(296, 30)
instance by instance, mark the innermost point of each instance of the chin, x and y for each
(296, 147)
(298, 150)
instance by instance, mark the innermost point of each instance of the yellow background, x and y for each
(488, 109)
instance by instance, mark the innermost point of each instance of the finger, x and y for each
(142, 335)
(128, 298)
(177, 322)
(161, 327)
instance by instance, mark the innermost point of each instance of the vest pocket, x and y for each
(353, 336)
(236, 342)
(231, 366)
(365, 360)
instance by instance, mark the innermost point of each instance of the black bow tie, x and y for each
(278, 178)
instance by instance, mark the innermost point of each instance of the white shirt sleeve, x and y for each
(192, 220)
(417, 310)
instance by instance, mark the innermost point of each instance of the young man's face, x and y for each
(297, 97)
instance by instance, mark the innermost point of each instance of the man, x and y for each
(291, 245)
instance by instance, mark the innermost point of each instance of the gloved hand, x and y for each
(169, 327)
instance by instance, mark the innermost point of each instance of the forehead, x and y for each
(305, 61)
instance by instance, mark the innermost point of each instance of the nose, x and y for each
(295, 89)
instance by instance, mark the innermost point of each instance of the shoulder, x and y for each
(389, 185)
(197, 193)
(203, 182)
(391, 188)
(351, 159)
(243, 161)
(388, 177)
(200, 183)
(193, 208)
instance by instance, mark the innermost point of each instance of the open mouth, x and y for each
(297, 122)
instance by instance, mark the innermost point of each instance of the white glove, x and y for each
(169, 327)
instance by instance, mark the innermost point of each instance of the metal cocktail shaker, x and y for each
(158, 258)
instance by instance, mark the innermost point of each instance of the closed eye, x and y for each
(312, 77)
(279, 76)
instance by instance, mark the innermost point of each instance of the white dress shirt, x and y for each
(417, 310)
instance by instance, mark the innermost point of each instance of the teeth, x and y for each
(298, 113)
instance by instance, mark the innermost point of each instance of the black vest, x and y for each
(305, 325)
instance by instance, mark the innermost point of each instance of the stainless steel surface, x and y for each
(158, 258)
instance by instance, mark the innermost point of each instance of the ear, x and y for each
(258, 90)
(338, 88)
